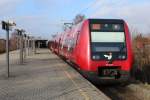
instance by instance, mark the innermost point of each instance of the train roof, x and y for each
(106, 20)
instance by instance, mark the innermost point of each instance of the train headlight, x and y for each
(96, 57)
(122, 56)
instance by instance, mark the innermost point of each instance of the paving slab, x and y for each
(44, 76)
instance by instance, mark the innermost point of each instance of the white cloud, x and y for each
(38, 25)
(8, 7)
(135, 13)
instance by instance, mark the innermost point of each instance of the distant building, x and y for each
(2, 45)
(41, 43)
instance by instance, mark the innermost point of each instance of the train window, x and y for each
(96, 26)
(107, 27)
(77, 38)
(107, 37)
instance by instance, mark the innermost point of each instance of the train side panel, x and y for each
(82, 48)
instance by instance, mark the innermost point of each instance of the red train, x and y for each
(100, 48)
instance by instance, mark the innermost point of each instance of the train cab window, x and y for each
(106, 38)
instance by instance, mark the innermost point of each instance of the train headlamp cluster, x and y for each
(96, 57)
(123, 56)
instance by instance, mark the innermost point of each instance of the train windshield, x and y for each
(107, 41)
(108, 37)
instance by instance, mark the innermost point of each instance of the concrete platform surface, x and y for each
(44, 76)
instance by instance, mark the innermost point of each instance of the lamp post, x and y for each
(25, 45)
(20, 33)
(6, 26)
(28, 43)
(33, 45)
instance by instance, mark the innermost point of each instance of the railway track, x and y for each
(119, 93)
(131, 92)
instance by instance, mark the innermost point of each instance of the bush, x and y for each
(141, 68)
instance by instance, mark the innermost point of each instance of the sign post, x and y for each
(6, 26)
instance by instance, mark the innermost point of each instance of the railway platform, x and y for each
(44, 76)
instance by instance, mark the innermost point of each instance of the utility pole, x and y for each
(6, 26)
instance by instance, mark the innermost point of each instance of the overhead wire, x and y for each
(90, 5)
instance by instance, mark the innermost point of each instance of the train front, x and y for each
(110, 50)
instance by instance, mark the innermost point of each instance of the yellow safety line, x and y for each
(80, 90)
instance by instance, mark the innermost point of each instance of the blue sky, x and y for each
(45, 17)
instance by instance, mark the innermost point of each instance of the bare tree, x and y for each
(134, 32)
(78, 18)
